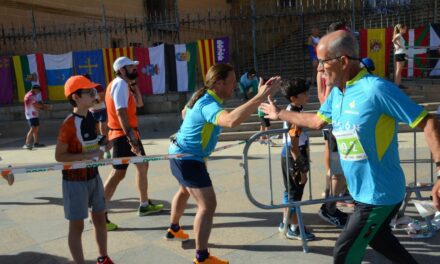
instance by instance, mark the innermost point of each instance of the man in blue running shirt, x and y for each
(365, 110)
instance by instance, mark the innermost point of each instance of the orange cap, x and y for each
(77, 82)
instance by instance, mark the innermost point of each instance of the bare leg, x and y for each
(206, 203)
(29, 136)
(99, 222)
(35, 134)
(113, 180)
(399, 69)
(142, 181)
(74, 239)
(178, 205)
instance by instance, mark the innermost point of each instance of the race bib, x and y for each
(349, 146)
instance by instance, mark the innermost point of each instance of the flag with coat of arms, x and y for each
(58, 69)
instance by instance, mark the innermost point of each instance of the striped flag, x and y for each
(6, 88)
(29, 70)
(434, 53)
(417, 41)
(375, 44)
(206, 55)
(110, 55)
(58, 69)
(91, 63)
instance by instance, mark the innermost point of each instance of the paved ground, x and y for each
(33, 228)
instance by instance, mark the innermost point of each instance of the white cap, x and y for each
(123, 61)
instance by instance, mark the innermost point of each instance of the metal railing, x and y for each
(411, 187)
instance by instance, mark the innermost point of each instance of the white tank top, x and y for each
(401, 41)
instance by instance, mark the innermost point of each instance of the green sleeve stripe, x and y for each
(324, 118)
(218, 115)
(418, 119)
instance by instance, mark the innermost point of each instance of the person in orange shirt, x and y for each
(121, 98)
(82, 188)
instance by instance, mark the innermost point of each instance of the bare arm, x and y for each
(137, 95)
(239, 114)
(123, 120)
(431, 129)
(309, 120)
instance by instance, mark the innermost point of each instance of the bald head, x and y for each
(339, 43)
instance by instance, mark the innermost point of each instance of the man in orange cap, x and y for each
(82, 188)
(121, 98)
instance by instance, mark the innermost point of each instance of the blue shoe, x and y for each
(295, 234)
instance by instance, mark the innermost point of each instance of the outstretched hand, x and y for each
(270, 109)
(269, 88)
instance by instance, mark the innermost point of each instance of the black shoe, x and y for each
(38, 145)
(338, 219)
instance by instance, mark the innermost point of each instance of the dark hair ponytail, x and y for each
(215, 73)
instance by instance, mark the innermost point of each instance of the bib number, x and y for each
(349, 146)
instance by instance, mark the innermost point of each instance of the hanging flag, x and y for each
(110, 55)
(91, 63)
(58, 69)
(206, 55)
(434, 49)
(417, 41)
(170, 65)
(145, 70)
(191, 51)
(221, 50)
(182, 56)
(157, 70)
(376, 45)
(29, 70)
(6, 88)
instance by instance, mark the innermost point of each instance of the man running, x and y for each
(365, 110)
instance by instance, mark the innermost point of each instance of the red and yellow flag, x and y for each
(376, 45)
(110, 55)
(206, 55)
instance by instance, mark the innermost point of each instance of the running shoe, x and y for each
(104, 260)
(211, 260)
(180, 235)
(27, 146)
(111, 226)
(39, 145)
(339, 218)
(296, 234)
(149, 209)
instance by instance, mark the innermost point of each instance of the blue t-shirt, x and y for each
(199, 131)
(365, 121)
(244, 80)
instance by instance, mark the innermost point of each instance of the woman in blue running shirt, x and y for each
(204, 118)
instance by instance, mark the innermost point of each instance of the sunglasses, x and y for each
(92, 92)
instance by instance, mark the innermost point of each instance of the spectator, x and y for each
(248, 84)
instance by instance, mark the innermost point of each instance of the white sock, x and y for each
(144, 204)
(293, 227)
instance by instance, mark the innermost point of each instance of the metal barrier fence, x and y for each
(412, 187)
(267, 35)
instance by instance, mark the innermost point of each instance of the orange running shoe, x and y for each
(179, 235)
(212, 260)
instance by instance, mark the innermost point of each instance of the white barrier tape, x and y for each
(104, 162)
